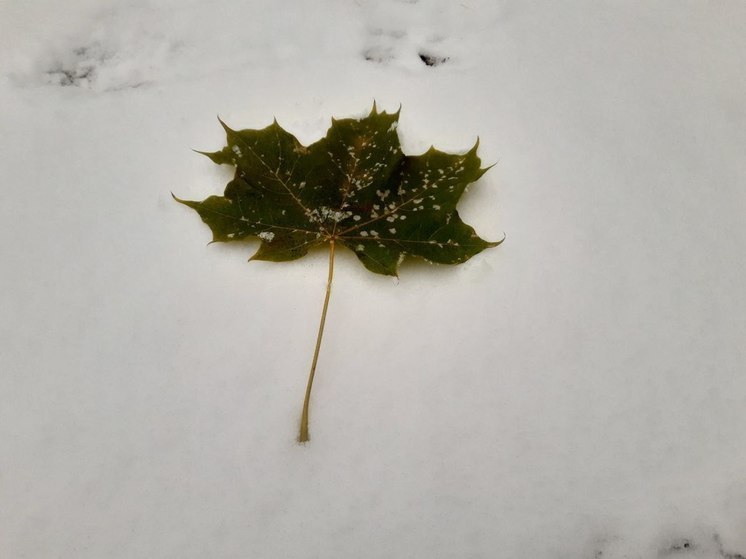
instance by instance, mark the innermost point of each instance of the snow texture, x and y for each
(578, 392)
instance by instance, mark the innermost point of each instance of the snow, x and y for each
(577, 392)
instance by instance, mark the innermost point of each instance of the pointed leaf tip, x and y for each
(189, 203)
(224, 125)
(482, 172)
(501, 241)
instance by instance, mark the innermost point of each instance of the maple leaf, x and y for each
(354, 187)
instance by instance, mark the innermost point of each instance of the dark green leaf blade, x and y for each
(363, 155)
(274, 161)
(354, 186)
(416, 214)
(246, 210)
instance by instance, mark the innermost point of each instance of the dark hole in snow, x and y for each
(680, 546)
(80, 67)
(431, 60)
(73, 77)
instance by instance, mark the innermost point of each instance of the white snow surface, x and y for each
(578, 392)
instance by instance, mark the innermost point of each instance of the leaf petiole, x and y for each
(304, 436)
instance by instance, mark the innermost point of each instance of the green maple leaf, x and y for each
(354, 187)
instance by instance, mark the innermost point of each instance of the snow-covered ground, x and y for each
(578, 392)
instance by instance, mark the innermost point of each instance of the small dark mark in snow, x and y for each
(432, 60)
(73, 77)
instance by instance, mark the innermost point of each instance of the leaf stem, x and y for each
(304, 436)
